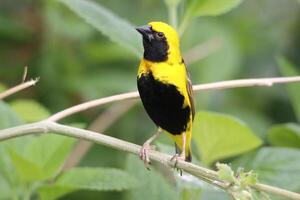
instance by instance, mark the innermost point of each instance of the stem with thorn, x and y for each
(18, 88)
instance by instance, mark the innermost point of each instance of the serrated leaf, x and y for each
(288, 69)
(212, 7)
(29, 110)
(276, 166)
(100, 179)
(220, 136)
(150, 182)
(285, 135)
(225, 172)
(109, 24)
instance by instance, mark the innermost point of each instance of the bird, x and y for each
(165, 89)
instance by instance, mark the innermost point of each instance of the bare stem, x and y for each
(18, 88)
(201, 87)
(92, 104)
(204, 174)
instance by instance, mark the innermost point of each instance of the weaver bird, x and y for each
(165, 88)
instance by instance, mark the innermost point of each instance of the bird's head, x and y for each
(161, 42)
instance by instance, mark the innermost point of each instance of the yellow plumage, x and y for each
(166, 68)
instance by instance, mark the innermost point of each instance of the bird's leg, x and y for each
(180, 156)
(147, 146)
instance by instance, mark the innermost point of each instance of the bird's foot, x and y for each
(144, 154)
(176, 158)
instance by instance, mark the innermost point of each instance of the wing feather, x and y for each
(189, 88)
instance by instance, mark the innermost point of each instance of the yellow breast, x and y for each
(174, 74)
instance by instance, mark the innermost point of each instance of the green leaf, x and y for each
(8, 117)
(150, 182)
(248, 179)
(49, 152)
(285, 135)
(275, 166)
(29, 110)
(43, 157)
(109, 24)
(212, 7)
(27, 170)
(5, 189)
(221, 136)
(225, 172)
(288, 69)
(99, 179)
(8, 176)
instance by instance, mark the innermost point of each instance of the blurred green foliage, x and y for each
(84, 50)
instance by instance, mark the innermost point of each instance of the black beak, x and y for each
(146, 32)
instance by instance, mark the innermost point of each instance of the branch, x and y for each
(262, 82)
(18, 88)
(204, 174)
(91, 104)
(201, 87)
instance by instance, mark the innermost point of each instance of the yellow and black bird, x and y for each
(165, 88)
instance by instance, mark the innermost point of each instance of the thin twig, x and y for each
(266, 82)
(18, 88)
(201, 87)
(92, 104)
(24, 74)
(200, 172)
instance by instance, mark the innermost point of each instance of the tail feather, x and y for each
(188, 155)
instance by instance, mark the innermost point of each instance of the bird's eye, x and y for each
(160, 35)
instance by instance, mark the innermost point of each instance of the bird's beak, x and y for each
(146, 32)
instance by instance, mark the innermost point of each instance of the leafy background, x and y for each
(84, 50)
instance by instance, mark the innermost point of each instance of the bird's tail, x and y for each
(188, 153)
